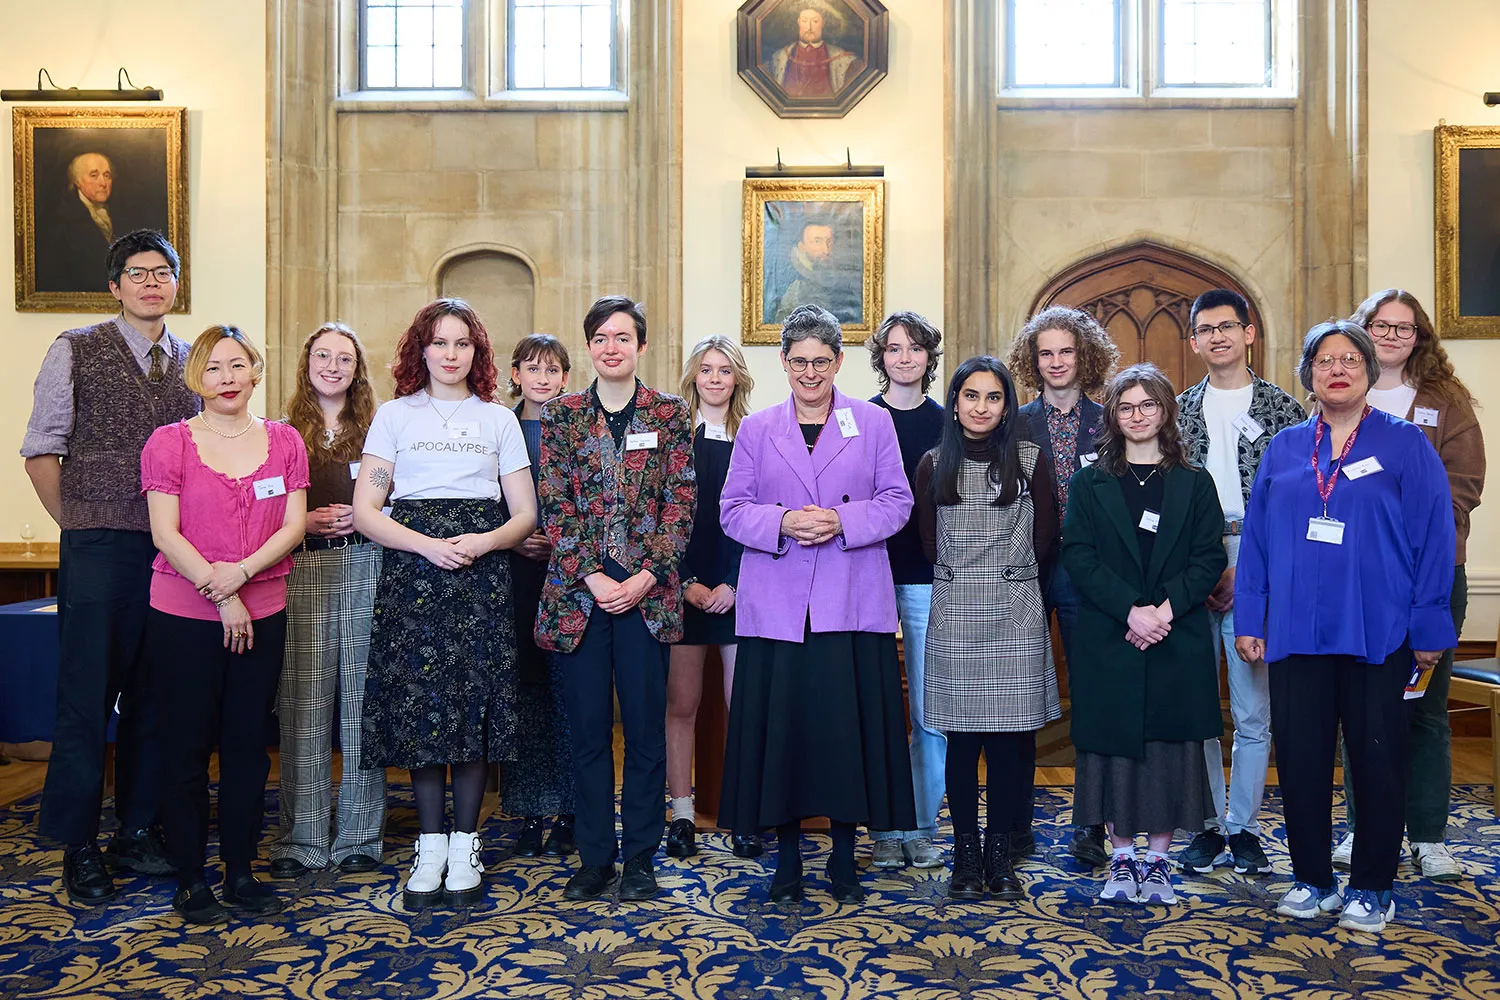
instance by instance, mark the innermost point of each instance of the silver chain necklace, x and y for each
(433, 403)
(1138, 480)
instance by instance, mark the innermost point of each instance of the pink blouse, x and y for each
(221, 516)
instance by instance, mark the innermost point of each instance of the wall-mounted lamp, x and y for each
(55, 93)
(1492, 99)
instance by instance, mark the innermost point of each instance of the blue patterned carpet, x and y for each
(712, 936)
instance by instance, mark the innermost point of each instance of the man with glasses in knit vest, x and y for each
(101, 391)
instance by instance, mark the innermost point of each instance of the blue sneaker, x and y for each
(1368, 910)
(1305, 901)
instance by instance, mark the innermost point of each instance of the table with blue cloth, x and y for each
(28, 671)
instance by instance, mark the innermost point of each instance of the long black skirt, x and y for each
(441, 683)
(1167, 789)
(818, 728)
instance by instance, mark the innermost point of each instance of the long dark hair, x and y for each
(1111, 440)
(1001, 445)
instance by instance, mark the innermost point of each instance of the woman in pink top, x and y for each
(227, 493)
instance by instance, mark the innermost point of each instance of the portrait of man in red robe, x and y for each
(812, 66)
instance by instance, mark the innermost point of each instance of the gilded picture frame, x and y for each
(1467, 230)
(84, 176)
(819, 241)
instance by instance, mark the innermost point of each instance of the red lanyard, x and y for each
(1325, 486)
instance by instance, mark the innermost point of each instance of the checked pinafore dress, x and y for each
(989, 653)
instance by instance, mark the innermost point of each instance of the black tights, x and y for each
(469, 778)
(1010, 760)
(789, 852)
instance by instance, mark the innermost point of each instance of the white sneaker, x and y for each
(1305, 901)
(1367, 910)
(464, 883)
(1343, 855)
(424, 886)
(1435, 862)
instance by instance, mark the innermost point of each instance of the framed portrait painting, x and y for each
(83, 177)
(1467, 228)
(813, 241)
(812, 58)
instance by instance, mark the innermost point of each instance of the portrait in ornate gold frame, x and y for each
(820, 241)
(86, 176)
(1467, 228)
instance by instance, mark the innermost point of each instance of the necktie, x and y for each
(157, 368)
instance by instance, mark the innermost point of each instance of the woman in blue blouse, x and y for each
(1343, 584)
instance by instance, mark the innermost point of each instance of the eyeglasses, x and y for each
(1403, 331)
(1227, 327)
(819, 365)
(1146, 408)
(343, 362)
(1323, 362)
(162, 274)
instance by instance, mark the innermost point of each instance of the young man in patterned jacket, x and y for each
(1226, 421)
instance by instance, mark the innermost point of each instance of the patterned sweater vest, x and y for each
(115, 409)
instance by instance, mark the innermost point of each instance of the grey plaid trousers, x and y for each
(330, 605)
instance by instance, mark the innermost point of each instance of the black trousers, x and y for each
(1310, 697)
(1010, 766)
(617, 653)
(207, 697)
(103, 593)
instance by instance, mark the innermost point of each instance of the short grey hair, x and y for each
(812, 321)
(1314, 340)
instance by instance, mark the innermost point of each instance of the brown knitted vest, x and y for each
(115, 409)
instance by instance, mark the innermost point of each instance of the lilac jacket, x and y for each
(845, 584)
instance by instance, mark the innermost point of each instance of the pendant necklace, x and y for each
(328, 435)
(1138, 480)
(204, 421)
(433, 403)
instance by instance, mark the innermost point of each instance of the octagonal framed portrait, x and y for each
(813, 58)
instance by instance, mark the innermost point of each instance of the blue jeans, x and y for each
(1250, 707)
(929, 748)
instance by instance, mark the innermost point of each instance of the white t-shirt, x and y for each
(1397, 402)
(447, 450)
(1220, 407)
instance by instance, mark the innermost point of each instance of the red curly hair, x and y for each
(410, 367)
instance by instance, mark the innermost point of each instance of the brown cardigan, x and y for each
(1460, 445)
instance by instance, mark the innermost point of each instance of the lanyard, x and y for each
(1325, 487)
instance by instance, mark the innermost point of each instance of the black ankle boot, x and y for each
(968, 867)
(529, 842)
(999, 869)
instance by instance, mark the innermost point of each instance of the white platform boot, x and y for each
(465, 881)
(424, 886)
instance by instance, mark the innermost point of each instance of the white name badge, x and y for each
(1150, 520)
(265, 489)
(715, 432)
(353, 470)
(637, 442)
(1084, 461)
(1325, 529)
(845, 417)
(1362, 468)
(1424, 416)
(466, 429)
(1249, 426)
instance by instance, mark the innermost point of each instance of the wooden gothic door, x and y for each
(1142, 294)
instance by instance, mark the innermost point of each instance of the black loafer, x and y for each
(196, 904)
(1088, 846)
(140, 851)
(1022, 844)
(848, 892)
(358, 864)
(682, 839)
(87, 879)
(590, 882)
(529, 843)
(789, 891)
(247, 893)
(561, 842)
(284, 868)
(639, 881)
(748, 845)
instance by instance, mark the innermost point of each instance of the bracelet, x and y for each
(226, 601)
(245, 571)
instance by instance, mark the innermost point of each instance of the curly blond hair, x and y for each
(1097, 353)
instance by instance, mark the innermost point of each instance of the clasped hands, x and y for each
(812, 525)
(224, 581)
(1148, 625)
(617, 597)
(715, 601)
(332, 521)
(456, 552)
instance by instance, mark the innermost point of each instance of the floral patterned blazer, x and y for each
(655, 490)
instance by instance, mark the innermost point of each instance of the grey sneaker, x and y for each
(922, 853)
(889, 854)
(1156, 883)
(1305, 901)
(1368, 910)
(1124, 882)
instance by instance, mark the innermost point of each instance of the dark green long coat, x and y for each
(1124, 697)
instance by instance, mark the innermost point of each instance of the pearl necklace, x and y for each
(204, 421)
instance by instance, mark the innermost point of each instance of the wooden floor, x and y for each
(1471, 765)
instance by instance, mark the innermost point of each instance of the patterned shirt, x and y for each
(1063, 429)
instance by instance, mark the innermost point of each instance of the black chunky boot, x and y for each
(968, 867)
(999, 868)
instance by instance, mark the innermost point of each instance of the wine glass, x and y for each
(27, 535)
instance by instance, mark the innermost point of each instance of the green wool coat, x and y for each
(1123, 697)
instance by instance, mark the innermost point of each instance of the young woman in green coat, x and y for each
(1142, 540)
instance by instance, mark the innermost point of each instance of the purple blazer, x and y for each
(844, 585)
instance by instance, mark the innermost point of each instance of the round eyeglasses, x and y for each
(163, 274)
